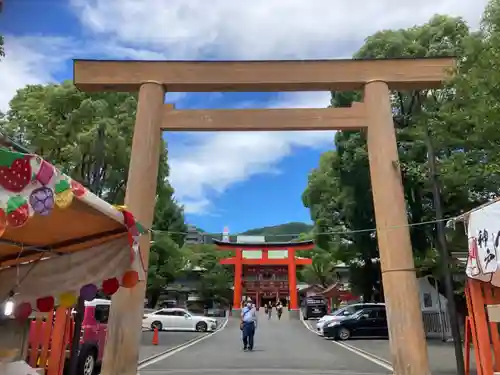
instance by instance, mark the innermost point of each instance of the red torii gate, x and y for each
(290, 261)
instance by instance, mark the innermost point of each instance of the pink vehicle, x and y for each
(92, 336)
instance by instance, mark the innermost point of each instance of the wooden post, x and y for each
(238, 270)
(121, 353)
(292, 279)
(406, 331)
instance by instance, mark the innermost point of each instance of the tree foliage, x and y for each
(215, 279)
(461, 120)
(2, 51)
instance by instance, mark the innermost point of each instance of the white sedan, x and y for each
(175, 319)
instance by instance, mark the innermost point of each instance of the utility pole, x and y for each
(445, 258)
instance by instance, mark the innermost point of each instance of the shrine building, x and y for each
(265, 271)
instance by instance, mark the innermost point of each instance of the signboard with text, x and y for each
(484, 244)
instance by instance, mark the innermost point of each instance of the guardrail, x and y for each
(437, 325)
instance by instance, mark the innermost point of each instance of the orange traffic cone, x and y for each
(155, 337)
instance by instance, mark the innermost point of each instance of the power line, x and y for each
(356, 231)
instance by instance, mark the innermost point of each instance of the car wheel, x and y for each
(156, 324)
(86, 361)
(344, 334)
(201, 327)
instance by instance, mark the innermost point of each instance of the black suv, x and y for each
(369, 322)
(314, 307)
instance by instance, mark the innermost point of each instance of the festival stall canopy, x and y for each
(56, 236)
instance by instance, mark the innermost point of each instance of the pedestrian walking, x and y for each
(248, 325)
(269, 311)
(279, 310)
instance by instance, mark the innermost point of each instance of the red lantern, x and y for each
(22, 311)
(130, 279)
(45, 304)
(110, 286)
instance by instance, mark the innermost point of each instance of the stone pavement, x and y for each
(284, 347)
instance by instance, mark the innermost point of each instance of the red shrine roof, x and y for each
(300, 245)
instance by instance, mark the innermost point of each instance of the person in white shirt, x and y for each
(279, 310)
(248, 325)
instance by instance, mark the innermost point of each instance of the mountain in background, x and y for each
(277, 232)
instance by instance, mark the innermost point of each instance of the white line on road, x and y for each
(368, 356)
(170, 352)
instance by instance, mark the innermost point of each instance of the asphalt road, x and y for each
(166, 340)
(281, 347)
(441, 354)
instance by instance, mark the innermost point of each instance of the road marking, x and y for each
(170, 352)
(366, 355)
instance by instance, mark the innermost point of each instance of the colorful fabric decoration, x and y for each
(15, 170)
(77, 189)
(130, 279)
(17, 211)
(88, 292)
(42, 200)
(110, 286)
(3, 222)
(67, 299)
(45, 171)
(45, 304)
(22, 311)
(64, 195)
(31, 186)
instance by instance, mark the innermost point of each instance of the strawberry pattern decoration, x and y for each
(3, 222)
(77, 189)
(15, 170)
(42, 200)
(17, 211)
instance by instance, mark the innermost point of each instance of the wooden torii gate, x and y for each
(152, 79)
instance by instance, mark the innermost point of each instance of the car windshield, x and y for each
(358, 314)
(343, 311)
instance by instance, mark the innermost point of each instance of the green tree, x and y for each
(167, 258)
(339, 191)
(215, 279)
(2, 51)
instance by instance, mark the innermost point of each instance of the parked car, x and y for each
(178, 320)
(314, 307)
(92, 336)
(216, 312)
(369, 322)
(343, 313)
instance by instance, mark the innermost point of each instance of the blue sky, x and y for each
(242, 180)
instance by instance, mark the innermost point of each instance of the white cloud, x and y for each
(261, 28)
(221, 29)
(30, 60)
(209, 163)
